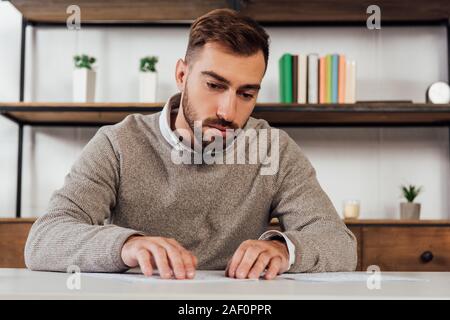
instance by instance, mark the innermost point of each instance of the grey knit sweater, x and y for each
(126, 183)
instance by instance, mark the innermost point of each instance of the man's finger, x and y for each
(274, 268)
(235, 260)
(260, 265)
(161, 260)
(175, 260)
(195, 261)
(188, 259)
(247, 262)
(189, 264)
(143, 258)
(227, 268)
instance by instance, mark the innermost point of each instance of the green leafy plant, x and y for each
(410, 192)
(148, 64)
(84, 61)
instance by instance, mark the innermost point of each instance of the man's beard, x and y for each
(191, 116)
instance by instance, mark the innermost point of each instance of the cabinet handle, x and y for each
(427, 256)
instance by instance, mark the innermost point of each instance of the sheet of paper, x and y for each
(200, 277)
(343, 277)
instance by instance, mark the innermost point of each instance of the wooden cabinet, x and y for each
(13, 236)
(395, 245)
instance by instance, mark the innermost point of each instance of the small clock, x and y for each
(438, 92)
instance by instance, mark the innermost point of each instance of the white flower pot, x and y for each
(409, 210)
(147, 86)
(83, 85)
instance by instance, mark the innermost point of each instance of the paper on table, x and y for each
(200, 276)
(343, 277)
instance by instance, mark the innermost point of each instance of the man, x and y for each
(179, 216)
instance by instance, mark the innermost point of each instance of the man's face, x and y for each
(219, 88)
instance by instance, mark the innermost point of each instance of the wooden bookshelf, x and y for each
(275, 113)
(296, 13)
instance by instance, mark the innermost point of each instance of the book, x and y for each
(286, 78)
(302, 78)
(313, 73)
(295, 78)
(281, 79)
(350, 90)
(328, 71)
(334, 78)
(341, 81)
(322, 80)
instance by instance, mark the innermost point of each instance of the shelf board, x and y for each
(359, 114)
(265, 11)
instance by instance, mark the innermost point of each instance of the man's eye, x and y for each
(247, 95)
(213, 85)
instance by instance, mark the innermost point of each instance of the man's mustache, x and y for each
(221, 122)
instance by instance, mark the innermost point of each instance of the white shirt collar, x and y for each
(164, 123)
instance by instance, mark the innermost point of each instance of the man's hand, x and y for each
(165, 254)
(254, 256)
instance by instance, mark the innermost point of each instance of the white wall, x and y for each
(364, 163)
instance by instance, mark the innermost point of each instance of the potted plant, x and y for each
(148, 78)
(409, 209)
(83, 79)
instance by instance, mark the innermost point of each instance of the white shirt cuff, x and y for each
(290, 246)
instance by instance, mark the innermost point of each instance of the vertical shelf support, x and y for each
(19, 172)
(21, 99)
(448, 72)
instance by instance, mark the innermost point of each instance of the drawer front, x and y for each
(13, 237)
(407, 248)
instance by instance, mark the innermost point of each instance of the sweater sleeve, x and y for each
(72, 232)
(308, 218)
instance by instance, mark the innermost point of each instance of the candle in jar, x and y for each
(351, 209)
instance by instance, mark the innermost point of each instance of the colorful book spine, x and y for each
(285, 74)
(295, 78)
(322, 80)
(341, 85)
(302, 78)
(334, 77)
(281, 79)
(313, 73)
(313, 79)
(328, 71)
(350, 92)
(287, 67)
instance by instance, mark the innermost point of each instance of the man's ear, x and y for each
(180, 74)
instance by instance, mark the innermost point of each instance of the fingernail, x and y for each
(191, 274)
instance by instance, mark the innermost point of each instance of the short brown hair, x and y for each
(236, 32)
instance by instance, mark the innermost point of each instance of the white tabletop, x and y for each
(26, 284)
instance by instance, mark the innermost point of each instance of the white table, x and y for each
(26, 284)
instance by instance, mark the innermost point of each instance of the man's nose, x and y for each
(227, 108)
